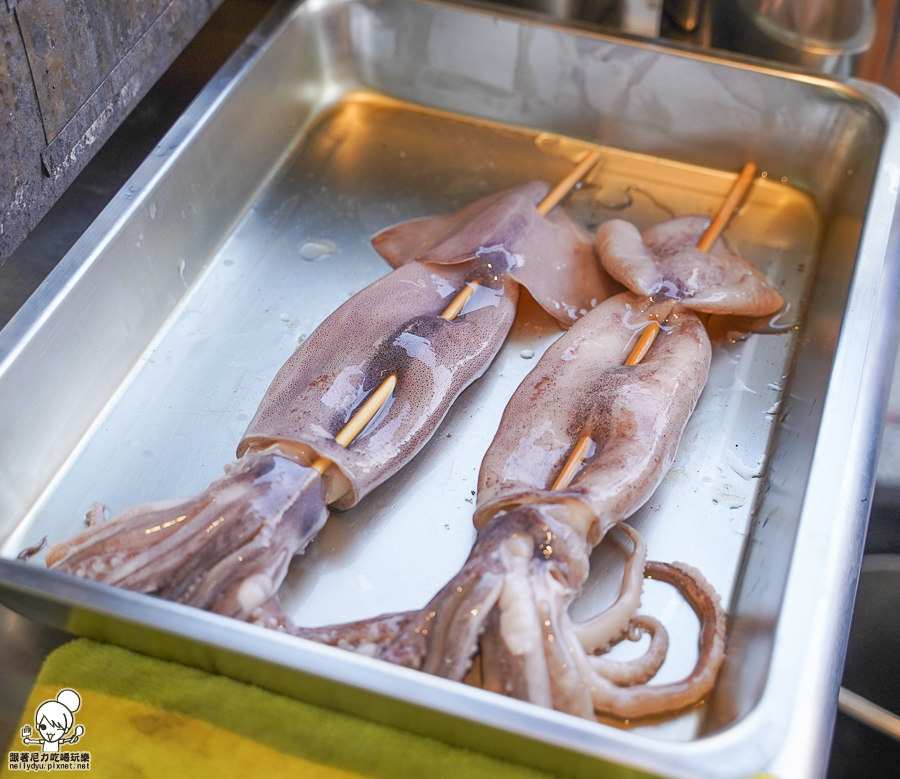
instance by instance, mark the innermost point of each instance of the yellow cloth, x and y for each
(145, 717)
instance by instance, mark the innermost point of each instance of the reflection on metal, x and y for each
(881, 62)
(687, 14)
(824, 35)
(599, 11)
(637, 17)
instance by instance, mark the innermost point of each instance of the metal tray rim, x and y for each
(717, 751)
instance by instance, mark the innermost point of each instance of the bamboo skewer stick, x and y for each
(648, 336)
(552, 198)
(378, 398)
(575, 459)
(734, 196)
(368, 410)
(459, 302)
(709, 237)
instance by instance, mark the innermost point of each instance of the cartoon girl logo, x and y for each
(53, 720)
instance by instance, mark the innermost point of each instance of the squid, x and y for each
(552, 257)
(509, 604)
(228, 549)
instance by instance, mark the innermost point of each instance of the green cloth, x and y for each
(144, 717)
(148, 717)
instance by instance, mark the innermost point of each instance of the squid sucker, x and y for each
(228, 549)
(510, 602)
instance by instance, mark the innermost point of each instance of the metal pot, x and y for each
(824, 35)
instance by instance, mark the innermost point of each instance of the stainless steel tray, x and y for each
(132, 372)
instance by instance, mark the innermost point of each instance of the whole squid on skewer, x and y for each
(634, 417)
(228, 549)
(626, 406)
(679, 266)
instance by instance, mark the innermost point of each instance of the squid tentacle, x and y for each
(226, 549)
(645, 700)
(514, 548)
(599, 632)
(524, 653)
(642, 669)
(443, 637)
(366, 637)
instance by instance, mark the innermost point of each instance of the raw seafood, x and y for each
(228, 549)
(664, 261)
(392, 327)
(552, 256)
(624, 394)
(633, 414)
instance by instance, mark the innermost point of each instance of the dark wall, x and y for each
(70, 72)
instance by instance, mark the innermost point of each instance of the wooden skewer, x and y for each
(648, 336)
(368, 410)
(552, 198)
(459, 302)
(575, 459)
(709, 237)
(734, 196)
(378, 398)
